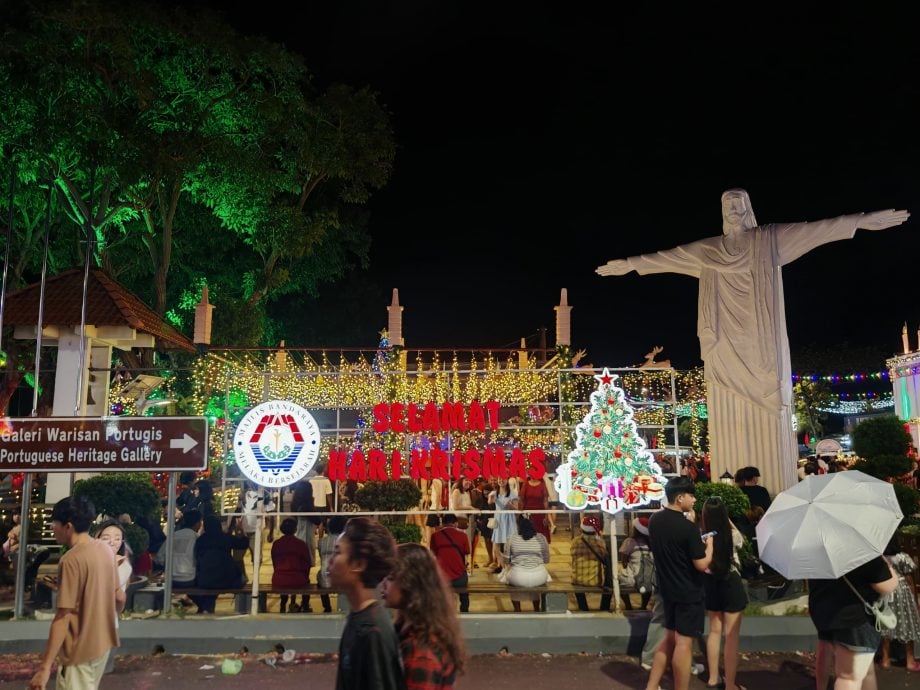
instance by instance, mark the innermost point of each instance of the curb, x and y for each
(485, 633)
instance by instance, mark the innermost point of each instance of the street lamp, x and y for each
(726, 477)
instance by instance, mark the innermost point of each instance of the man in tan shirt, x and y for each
(89, 598)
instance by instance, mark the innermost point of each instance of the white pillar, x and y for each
(66, 384)
(97, 390)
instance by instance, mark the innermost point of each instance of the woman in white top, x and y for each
(113, 533)
(527, 552)
(461, 503)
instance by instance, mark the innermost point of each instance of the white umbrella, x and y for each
(827, 525)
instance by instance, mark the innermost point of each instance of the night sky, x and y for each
(537, 142)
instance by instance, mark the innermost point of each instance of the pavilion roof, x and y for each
(108, 303)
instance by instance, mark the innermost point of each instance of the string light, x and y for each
(839, 378)
(859, 406)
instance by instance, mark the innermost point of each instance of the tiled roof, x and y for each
(108, 303)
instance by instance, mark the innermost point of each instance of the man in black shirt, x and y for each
(681, 557)
(364, 554)
(747, 479)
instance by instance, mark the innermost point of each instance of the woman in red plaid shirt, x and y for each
(427, 623)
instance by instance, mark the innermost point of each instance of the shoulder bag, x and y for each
(885, 617)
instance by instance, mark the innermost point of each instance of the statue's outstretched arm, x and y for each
(685, 259)
(881, 220)
(796, 239)
(614, 267)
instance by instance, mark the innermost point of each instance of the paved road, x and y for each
(534, 672)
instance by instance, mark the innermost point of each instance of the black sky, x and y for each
(538, 141)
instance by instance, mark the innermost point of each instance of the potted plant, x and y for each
(402, 494)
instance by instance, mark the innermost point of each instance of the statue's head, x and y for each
(737, 213)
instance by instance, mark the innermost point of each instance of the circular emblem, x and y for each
(276, 443)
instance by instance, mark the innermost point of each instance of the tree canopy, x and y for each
(181, 152)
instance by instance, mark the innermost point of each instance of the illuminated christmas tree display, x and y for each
(610, 466)
(382, 358)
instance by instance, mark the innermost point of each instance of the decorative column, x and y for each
(203, 315)
(394, 321)
(563, 320)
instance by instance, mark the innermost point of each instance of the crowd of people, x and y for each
(698, 575)
(686, 566)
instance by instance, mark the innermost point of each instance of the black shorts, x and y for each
(862, 639)
(433, 520)
(725, 596)
(684, 618)
(482, 526)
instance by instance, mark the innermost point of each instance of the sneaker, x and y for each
(695, 669)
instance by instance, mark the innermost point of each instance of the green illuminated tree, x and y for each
(140, 130)
(811, 397)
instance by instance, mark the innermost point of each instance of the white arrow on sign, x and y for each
(186, 443)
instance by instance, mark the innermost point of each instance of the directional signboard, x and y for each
(93, 444)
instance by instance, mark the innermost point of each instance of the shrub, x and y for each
(736, 501)
(121, 492)
(405, 533)
(881, 436)
(908, 501)
(885, 466)
(883, 444)
(380, 496)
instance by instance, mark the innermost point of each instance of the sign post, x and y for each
(98, 444)
(95, 444)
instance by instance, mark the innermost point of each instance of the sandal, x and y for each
(720, 685)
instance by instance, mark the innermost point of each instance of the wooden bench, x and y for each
(243, 595)
(554, 596)
(311, 590)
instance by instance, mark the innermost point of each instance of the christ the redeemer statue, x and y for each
(742, 328)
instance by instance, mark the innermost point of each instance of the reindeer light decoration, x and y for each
(650, 362)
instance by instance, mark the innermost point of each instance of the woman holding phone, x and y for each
(725, 594)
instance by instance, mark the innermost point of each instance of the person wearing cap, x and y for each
(681, 558)
(590, 562)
